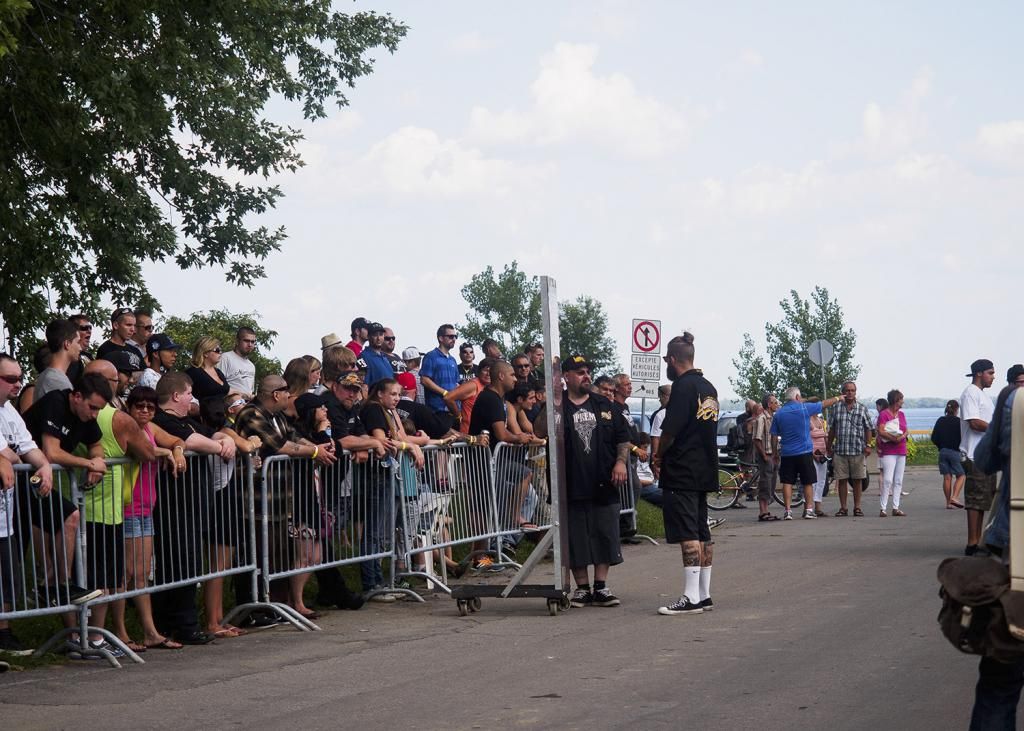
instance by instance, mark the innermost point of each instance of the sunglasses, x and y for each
(389, 337)
(85, 328)
(144, 406)
(214, 350)
(279, 390)
(145, 327)
(11, 379)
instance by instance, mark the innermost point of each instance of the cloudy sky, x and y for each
(678, 162)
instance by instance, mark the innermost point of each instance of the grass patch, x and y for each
(922, 453)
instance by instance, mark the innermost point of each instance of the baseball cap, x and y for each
(1015, 372)
(411, 353)
(160, 341)
(121, 312)
(360, 323)
(307, 403)
(374, 327)
(350, 380)
(574, 363)
(980, 366)
(407, 381)
(124, 361)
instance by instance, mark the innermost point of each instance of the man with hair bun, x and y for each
(686, 464)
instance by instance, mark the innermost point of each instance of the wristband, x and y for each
(472, 440)
(443, 394)
(316, 451)
(634, 449)
(404, 446)
(177, 446)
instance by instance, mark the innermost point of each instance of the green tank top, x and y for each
(105, 502)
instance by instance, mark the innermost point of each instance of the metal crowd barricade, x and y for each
(40, 549)
(315, 517)
(628, 495)
(450, 502)
(149, 535)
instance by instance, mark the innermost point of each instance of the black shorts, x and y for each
(593, 534)
(49, 513)
(798, 469)
(686, 516)
(104, 567)
(10, 569)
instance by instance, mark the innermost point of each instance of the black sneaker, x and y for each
(707, 605)
(604, 598)
(56, 595)
(972, 548)
(581, 598)
(10, 644)
(630, 541)
(682, 605)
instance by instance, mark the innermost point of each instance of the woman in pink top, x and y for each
(138, 519)
(465, 395)
(818, 434)
(892, 445)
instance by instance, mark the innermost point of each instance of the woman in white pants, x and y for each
(818, 434)
(892, 442)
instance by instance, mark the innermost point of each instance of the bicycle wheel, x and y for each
(798, 496)
(728, 491)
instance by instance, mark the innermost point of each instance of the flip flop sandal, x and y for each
(955, 504)
(858, 513)
(767, 517)
(842, 513)
(135, 647)
(165, 644)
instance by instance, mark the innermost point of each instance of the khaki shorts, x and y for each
(979, 488)
(849, 467)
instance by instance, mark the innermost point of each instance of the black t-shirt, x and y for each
(52, 415)
(488, 409)
(691, 417)
(593, 431)
(180, 426)
(466, 373)
(204, 386)
(373, 417)
(344, 422)
(110, 346)
(628, 420)
(422, 417)
(946, 433)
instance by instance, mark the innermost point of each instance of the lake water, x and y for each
(923, 419)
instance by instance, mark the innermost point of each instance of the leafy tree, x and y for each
(222, 325)
(135, 132)
(583, 328)
(788, 364)
(507, 308)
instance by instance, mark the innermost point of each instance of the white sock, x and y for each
(705, 582)
(691, 585)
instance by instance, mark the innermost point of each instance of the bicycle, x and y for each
(732, 484)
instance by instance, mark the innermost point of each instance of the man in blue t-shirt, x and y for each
(792, 425)
(378, 365)
(439, 374)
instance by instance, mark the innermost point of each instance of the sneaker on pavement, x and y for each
(581, 598)
(707, 605)
(384, 597)
(605, 598)
(715, 522)
(809, 515)
(75, 650)
(682, 605)
(11, 645)
(788, 515)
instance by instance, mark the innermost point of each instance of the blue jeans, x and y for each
(373, 506)
(996, 695)
(652, 494)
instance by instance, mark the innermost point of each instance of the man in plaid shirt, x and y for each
(849, 432)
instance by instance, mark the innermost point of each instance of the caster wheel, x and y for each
(563, 604)
(475, 604)
(552, 607)
(463, 609)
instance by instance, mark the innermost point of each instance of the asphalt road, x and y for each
(818, 624)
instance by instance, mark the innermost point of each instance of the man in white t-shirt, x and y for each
(236, 366)
(975, 414)
(658, 417)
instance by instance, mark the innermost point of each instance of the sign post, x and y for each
(821, 353)
(645, 363)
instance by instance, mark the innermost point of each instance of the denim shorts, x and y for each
(138, 527)
(949, 462)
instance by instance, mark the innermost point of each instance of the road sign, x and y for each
(645, 389)
(821, 352)
(646, 336)
(644, 367)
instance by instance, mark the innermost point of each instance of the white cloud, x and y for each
(470, 43)
(1002, 142)
(572, 103)
(901, 126)
(414, 160)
